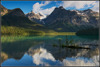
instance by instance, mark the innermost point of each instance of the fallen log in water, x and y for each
(91, 44)
(75, 47)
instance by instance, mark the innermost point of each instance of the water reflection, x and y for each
(41, 57)
(39, 51)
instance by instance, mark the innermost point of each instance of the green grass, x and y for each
(61, 33)
(12, 30)
(66, 33)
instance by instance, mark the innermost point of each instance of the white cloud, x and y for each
(80, 61)
(41, 55)
(96, 7)
(47, 11)
(37, 8)
(81, 4)
(77, 4)
(44, 58)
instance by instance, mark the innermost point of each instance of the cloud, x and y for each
(77, 4)
(80, 61)
(96, 7)
(37, 8)
(41, 57)
(47, 11)
(81, 4)
(44, 58)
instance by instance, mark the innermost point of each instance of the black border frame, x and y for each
(50, 0)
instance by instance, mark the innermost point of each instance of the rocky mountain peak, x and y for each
(32, 16)
(17, 12)
(39, 14)
(61, 18)
(61, 7)
(89, 10)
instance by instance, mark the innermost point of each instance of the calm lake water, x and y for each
(40, 51)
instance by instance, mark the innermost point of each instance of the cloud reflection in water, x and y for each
(42, 57)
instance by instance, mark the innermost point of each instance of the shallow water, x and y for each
(39, 51)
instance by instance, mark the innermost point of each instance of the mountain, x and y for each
(16, 12)
(60, 20)
(71, 20)
(15, 22)
(15, 17)
(41, 16)
(32, 16)
(3, 10)
(35, 17)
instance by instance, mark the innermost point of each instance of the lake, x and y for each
(45, 51)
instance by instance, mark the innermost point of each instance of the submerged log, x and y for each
(75, 47)
(91, 44)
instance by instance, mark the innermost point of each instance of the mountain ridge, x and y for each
(67, 19)
(32, 16)
(60, 20)
(16, 19)
(63, 13)
(3, 10)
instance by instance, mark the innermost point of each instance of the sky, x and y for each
(46, 7)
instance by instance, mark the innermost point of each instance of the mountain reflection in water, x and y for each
(39, 51)
(41, 57)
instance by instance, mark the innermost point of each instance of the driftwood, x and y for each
(75, 47)
(91, 44)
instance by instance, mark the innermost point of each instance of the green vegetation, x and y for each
(66, 33)
(60, 33)
(15, 24)
(16, 49)
(59, 28)
(89, 31)
(21, 25)
(11, 30)
(13, 20)
(69, 44)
